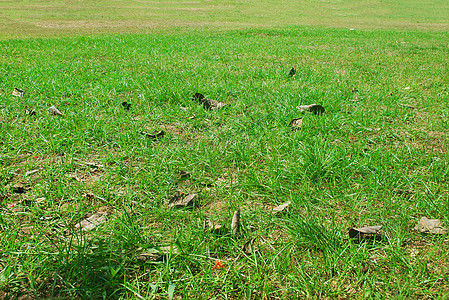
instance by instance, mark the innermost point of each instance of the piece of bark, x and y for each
(235, 224)
(292, 72)
(54, 110)
(430, 226)
(296, 123)
(369, 231)
(17, 92)
(154, 136)
(313, 108)
(281, 208)
(92, 222)
(180, 200)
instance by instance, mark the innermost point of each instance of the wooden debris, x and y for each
(17, 92)
(292, 72)
(281, 208)
(364, 232)
(154, 136)
(54, 110)
(430, 226)
(296, 123)
(313, 108)
(235, 224)
(180, 201)
(92, 222)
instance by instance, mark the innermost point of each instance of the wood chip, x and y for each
(17, 92)
(313, 108)
(235, 224)
(364, 232)
(281, 208)
(92, 222)
(430, 226)
(180, 201)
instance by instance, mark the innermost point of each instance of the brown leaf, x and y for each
(17, 92)
(248, 246)
(92, 222)
(152, 255)
(430, 226)
(296, 123)
(235, 224)
(19, 188)
(154, 136)
(363, 232)
(126, 105)
(281, 208)
(166, 250)
(93, 165)
(208, 103)
(180, 201)
(292, 72)
(29, 112)
(313, 108)
(54, 110)
(184, 174)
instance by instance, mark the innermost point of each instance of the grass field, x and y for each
(377, 156)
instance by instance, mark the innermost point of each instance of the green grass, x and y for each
(377, 156)
(32, 18)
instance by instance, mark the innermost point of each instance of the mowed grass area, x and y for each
(377, 156)
(34, 18)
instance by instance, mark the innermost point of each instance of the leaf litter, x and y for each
(364, 232)
(282, 208)
(180, 200)
(429, 226)
(17, 92)
(316, 109)
(235, 224)
(93, 221)
(208, 103)
(54, 110)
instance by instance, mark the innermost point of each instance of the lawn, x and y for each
(88, 197)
